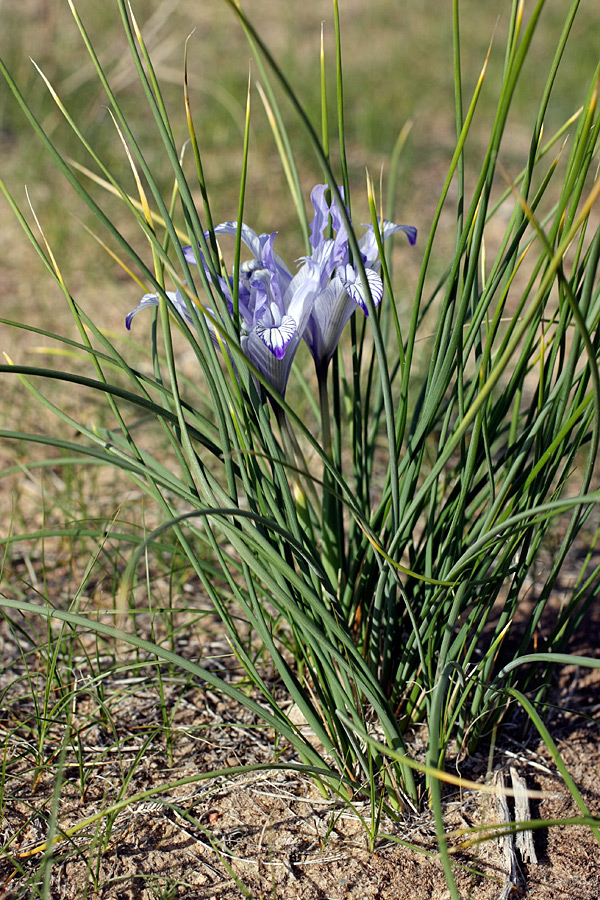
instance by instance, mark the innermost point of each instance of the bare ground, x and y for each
(264, 833)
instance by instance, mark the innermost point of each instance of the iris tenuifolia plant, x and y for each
(376, 493)
(275, 309)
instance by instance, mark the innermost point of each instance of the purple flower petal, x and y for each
(410, 231)
(188, 253)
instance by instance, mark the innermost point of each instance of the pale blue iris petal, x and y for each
(368, 243)
(302, 290)
(249, 236)
(323, 211)
(324, 259)
(174, 297)
(189, 255)
(259, 299)
(409, 230)
(261, 247)
(338, 224)
(280, 274)
(321, 216)
(147, 300)
(331, 311)
(251, 239)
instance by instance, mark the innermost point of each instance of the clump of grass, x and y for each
(389, 569)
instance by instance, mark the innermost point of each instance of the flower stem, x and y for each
(332, 529)
(306, 496)
(324, 407)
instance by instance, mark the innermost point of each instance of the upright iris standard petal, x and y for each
(325, 214)
(344, 289)
(260, 245)
(321, 216)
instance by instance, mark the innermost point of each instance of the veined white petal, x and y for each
(277, 337)
(356, 290)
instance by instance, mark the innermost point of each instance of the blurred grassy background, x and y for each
(397, 67)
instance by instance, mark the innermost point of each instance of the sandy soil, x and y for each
(266, 833)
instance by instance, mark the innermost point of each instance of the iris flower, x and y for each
(278, 309)
(274, 305)
(345, 290)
